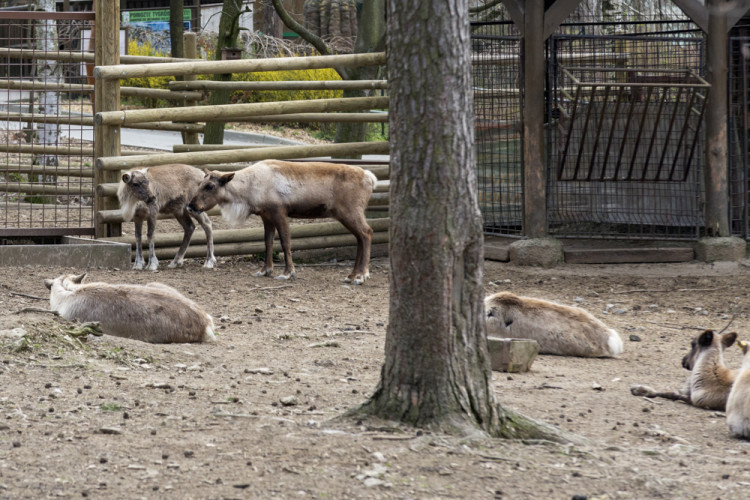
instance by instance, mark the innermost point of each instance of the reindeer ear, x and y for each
(224, 179)
(706, 338)
(728, 339)
(48, 284)
(78, 279)
(207, 172)
(126, 178)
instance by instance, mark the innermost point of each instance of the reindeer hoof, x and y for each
(138, 266)
(173, 264)
(262, 273)
(641, 390)
(210, 264)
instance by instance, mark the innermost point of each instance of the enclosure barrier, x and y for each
(306, 236)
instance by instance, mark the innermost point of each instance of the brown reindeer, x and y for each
(738, 402)
(710, 380)
(559, 329)
(277, 190)
(145, 193)
(154, 312)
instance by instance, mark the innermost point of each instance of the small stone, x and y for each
(13, 333)
(289, 401)
(634, 338)
(597, 387)
(110, 430)
(259, 371)
(371, 482)
(189, 454)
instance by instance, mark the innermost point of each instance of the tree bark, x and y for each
(229, 29)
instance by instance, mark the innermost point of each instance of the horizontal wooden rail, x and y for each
(63, 171)
(283, 85)
(255, 234)
(115, 216)
(320, 117)
(85, 88)
(380, 171)
(243, 155)
(237, 66)
(44, 189)
(89, 121)
(226, 112)
(36, 149)
(74, 56)
(249, 248)
(186, 148)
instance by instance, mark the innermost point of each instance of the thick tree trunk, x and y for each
(229, 29)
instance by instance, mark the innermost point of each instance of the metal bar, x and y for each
(672, 120)
(650, 91)
(654, 133)
(695, 140)
(628, 121)
(583, 140)
(598, 134)
(570, 132)
(611, 133)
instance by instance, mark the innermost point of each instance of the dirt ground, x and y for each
(254, 414)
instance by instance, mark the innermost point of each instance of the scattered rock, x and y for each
(634, 338)
(110, 430)
(289, 401)
(259, 371)
(13, 333)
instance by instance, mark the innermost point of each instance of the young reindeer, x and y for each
(738, 402)
(559, 329)
(145, 193)
(154, 313)
(276, 190)
(710, 380)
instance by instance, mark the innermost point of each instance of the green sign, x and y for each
(149, 16)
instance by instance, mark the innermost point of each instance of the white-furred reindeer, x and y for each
(710, 380)
(154, 312)
(559, 329)
(145, 193)
(738, 402)
(276, 190)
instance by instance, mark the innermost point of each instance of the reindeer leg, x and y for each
(153, 262)
(188, 227)
(363, 232)
(269, 231)
(139, 261)
(285, 235)
(647, 392)
(205, 221)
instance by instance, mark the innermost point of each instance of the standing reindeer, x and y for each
(276, 190)
(710, 380)
(154, 312)
(145, 193)
(559, 329)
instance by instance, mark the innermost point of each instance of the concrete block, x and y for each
(512, 355)
(542, 252)
(72, 252)
(720, 249)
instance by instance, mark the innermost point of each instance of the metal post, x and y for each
(107, 92)
(534, 167)
(717, 198)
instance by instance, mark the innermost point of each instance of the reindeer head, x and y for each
(210, 192)
(138, 185)
(704, 343)
(65, 281)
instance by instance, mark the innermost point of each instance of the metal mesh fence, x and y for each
(497, 105)
(46, 134)
(738, 125)
(625, 152)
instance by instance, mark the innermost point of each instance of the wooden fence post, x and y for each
(107, 92)
(191, 52)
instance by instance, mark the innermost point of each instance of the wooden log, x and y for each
(511, 355)
(74, 56)
(238, 66)
(186, 148)
(37, 149)
(381, 171)
(243, 155)
(114, 216)
(284, 85)
(190, 47)
(311, 230)
(247, 248)
(84, 88)
(89, 121)
(227, 112)
(377, 117)
(46, 189)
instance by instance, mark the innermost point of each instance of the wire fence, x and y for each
(46, 137)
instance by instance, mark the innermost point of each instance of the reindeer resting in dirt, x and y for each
(154, 312)
(738, 402)
(145, 193)
(710, 380)
(276, 190)
(559, 329)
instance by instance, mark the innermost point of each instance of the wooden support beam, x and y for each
(379, 117)
(696, 11)
(515, 9)
(556, 14)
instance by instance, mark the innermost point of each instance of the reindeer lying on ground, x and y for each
(738, 402)
(154, 313)
(276, 190)
(167, 189)
(710, 380)
(559, 329)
